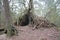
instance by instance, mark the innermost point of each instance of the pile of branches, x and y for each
(35, 21)
(39, 22)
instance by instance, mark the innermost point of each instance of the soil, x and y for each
(26, 33)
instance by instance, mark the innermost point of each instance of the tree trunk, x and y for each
(8, 19)
(30, 11)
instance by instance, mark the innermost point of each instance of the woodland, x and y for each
(29, 19)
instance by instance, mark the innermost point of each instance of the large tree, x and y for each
(8, 19)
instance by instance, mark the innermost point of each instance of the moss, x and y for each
(11, 31)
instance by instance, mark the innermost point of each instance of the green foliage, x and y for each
(43, 7)
(53, 11)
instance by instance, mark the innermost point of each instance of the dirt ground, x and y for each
(26, 33)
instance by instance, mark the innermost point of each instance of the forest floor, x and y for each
(26, 33)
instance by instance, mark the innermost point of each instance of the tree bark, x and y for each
(30, 11)
(8, 19)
